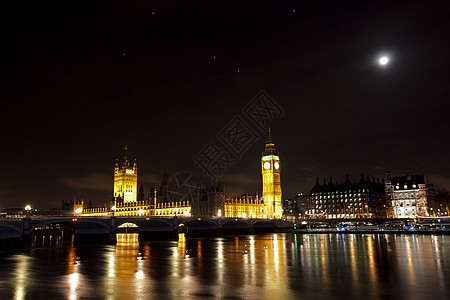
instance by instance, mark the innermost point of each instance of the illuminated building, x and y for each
(128, 202)
(78, 206)
(201, 201)
(363, 199)
(157, 204)
(245, 206)
(125, 181)
(210, 201)
(408, 195)
(271, 178)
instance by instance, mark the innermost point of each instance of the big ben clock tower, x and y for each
(271, 167)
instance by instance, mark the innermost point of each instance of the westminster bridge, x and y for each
(104, 229)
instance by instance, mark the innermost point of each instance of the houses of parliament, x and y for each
(201, 201)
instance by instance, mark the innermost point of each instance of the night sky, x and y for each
(82, 79)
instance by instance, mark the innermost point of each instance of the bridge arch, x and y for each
(127, 224)
(263, 225)
(263, 221)
(236, 221)
(200, 226)
(144, 224)
(194, 222)
(12, 231)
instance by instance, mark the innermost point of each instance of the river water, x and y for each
(272, 266)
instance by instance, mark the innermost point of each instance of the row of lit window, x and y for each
(405, 186)
(405, 210)
(337, 201)
(345, 210)
(337, 196)
(397, 187)
(166, 212)
(341, 215)
(339, 204)
(335, 216)
(131, 208)
(406, 204)
(406, 195)
(343, 192)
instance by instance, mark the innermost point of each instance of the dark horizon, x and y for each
(81, 80)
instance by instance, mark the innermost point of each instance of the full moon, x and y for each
(383, 60)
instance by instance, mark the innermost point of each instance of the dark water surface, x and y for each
(275, 266)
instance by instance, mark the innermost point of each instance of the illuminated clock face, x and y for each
(267, 165)
(277, 165)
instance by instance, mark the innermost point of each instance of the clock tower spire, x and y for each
(271, 177)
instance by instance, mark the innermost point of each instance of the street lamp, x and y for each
(27, 209)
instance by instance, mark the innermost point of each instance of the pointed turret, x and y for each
(141, 193)
(125, 158)
(270, 145)
(116, 167)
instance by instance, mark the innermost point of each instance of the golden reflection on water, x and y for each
(353, 262)
(409, 258)
(23, 263)
(370, 240)
(437, 254)
(181, 246)
(269, 266)
(126, 241)
(73, 276)
(323, 250)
